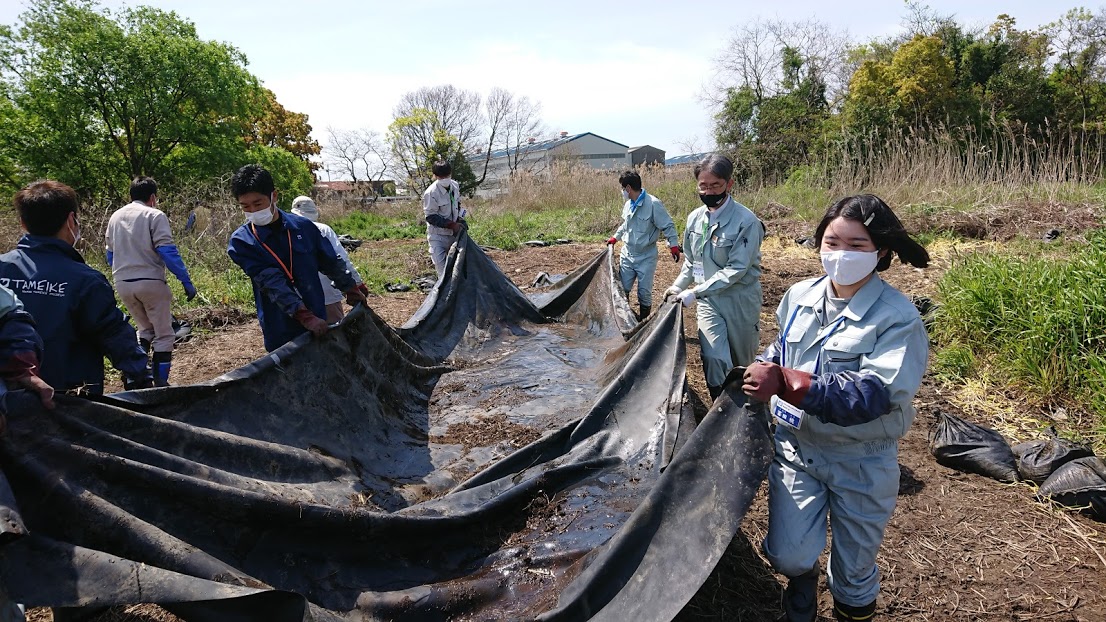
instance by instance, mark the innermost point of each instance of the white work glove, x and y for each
(687, 297)
(671, 292)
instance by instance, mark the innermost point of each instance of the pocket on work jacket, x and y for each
(720, 246)
(843, 351)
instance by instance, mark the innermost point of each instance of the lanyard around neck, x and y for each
(286, 268)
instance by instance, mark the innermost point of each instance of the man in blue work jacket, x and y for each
(72, 303)
(283, 255)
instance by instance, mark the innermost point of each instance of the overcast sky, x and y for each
(632, 72)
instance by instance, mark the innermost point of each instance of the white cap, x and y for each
(304, 206)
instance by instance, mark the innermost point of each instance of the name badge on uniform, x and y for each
(697, 272)
(788, 415)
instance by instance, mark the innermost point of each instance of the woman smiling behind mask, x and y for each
(840, 381)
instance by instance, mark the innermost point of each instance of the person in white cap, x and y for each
(305, 207)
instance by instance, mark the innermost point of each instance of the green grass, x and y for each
(1034, 315)
(376, 226)
(382, 264)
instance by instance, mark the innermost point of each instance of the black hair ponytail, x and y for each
(883, 225)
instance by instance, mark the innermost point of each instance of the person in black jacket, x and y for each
(72, 303)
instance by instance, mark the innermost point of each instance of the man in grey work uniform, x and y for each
(441, 203)
(722, 272)
(139, 249)
(643, 220)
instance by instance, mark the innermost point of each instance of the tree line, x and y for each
(93, 98)
(788, 94)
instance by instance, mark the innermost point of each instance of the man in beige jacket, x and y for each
(139, 249)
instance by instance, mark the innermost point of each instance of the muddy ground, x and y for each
(959, 547)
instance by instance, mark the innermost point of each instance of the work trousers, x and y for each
(857, 494)
(150, 304)
(439, 251)
(729, 335)
(640, 267)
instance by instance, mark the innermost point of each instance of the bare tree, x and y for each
(753, 58)
(457, 111)
(523, 121)
(691, 144)
(361, 155)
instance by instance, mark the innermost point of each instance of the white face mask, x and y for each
(625, 196)
(76, 234)
(849, 267)
(262, 217)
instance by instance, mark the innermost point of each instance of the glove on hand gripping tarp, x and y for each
(498, 457)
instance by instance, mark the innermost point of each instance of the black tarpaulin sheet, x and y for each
(497, 457)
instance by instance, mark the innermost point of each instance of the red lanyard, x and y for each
(287, 269)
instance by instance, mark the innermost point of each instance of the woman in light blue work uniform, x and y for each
(840, 381)
(722, 272)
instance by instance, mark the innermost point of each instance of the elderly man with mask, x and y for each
(305, 207)
(441, 203)
(721, 272)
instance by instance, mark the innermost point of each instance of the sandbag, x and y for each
(972, 448)
(1037, 459)
(1079, 483)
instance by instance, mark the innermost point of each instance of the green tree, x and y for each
(1079, 75)
(279, 127)
(773, 134)
(101, 97)
(418, 140)
(292, 175)
(914, 88)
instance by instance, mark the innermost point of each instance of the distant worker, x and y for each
(643, 220)
(305, 206)
(139, 249)
(283, 255)
(72, 304)
(441, 203)
(20, 352)
(722, 272)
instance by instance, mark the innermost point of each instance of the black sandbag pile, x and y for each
(1038, 459)
(972, 448)
(1079, 483)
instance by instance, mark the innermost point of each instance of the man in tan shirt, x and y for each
(139, 249)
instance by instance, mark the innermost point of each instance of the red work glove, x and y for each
(675, 250)
(454, 226)
(38, 385)
(357, 293)
(311, 322)
(612, 240)
(763, 380)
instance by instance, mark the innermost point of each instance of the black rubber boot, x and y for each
(800, 599)
(849, 613)
(643, 312)
(163, 361)
(714, 392)
(146, 345)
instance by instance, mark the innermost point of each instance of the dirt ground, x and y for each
(959, 547)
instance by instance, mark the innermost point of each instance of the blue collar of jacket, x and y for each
(49, 244)
(858, 305)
